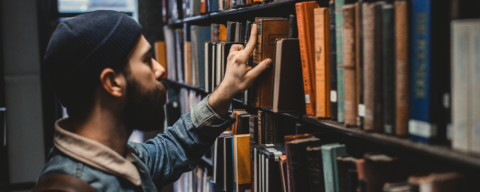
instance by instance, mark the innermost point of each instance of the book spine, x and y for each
(340, 65)
(259, 127)
(306, 68)
(378, 110)
(388, 68)
(369, 64)
(320, 71)
(359, 62)
(333, 63)
(315, 170)
(328, 169)
(257, 58)
(474, 48)
(292, 28)
(401, 68)
(420, 124)
(350, 104)
(461, 64)
(187, 62)
(338, 151)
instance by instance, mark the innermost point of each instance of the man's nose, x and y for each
(158, 69)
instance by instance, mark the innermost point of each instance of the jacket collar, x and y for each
(95, 154)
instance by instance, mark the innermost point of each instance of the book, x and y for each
(287, 76)
(208, 66)
(200, 35)
(242, 163)
(219, 32)
(333, 62)
(272, 171)
(282, 163)
(287, 139)
(306, 35)
(322, 63)
(212, 6)
(247, 93)
(330, 152)
(187, 65)
(239, 32)
(379, 169)
(388, 68)
(397, 187)
(213, 69)
(292, 26)
(260, 125)
(350, 102)
(253, 130)
(430, 86)
(203, 6)
(218, 159)
(372, 66)
(269, 29)
(195, 7)
(179, 51)
(258, 155)
(359, 62)
(465, 65)
(401, 67)
(228, 162)
(298, 163)
(171, 55)
(165, 11)
(231, 25)
(347, 174)
(439, 182)
(161, 56)
(340, 67)
(315, 168)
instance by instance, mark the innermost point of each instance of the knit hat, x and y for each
(81, 47)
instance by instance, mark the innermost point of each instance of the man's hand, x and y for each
(238, 76)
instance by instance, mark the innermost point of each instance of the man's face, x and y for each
(145, 95)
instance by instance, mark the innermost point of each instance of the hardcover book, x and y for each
(401, 67)
(322, 63)
(350, 104)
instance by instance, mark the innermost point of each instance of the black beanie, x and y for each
(81, 47)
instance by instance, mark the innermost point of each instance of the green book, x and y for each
(330, 152)
(388, 56)
(340, 67)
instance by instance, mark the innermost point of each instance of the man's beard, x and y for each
(144, 109)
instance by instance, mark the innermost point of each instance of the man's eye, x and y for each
(149, 61)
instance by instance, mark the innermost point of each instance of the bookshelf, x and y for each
(439, 153)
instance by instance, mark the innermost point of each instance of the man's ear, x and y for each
(112, 82)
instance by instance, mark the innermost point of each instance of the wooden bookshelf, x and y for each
(438, 153)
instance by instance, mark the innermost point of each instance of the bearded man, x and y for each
(100, 68)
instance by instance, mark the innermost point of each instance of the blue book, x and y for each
(200, 34)
(330, 152)
(430, 71)
(212, 6)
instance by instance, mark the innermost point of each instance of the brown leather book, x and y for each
(161, 56)
(401, 68)
(346, 165)
(379, 169)
(372, 66)
(322, 62)
(187, 68)
(289, 138)
(306, 35)
(269, 29)
(260, 126)
(349, 57)
(287, 76)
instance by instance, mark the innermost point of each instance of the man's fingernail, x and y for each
(268, 61)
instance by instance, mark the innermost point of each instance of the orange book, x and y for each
(241, 146)
(322, 62)
(306, 36)
(161, 55)
(222, 32)
(282, 163)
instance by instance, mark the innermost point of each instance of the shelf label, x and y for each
(333, 96)
(421, 128)
(307, 99)
(361, 110)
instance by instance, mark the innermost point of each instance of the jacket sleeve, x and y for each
(181, 146)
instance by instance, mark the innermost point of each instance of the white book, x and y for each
(474, 46)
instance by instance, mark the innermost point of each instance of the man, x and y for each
(101, 69)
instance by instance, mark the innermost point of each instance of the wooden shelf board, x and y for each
(436, 152)
(240, 10)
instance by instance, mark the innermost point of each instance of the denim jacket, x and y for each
(149, 166)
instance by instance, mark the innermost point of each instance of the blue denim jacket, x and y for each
(156, 163)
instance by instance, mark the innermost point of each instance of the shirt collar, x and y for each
(95, 154)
